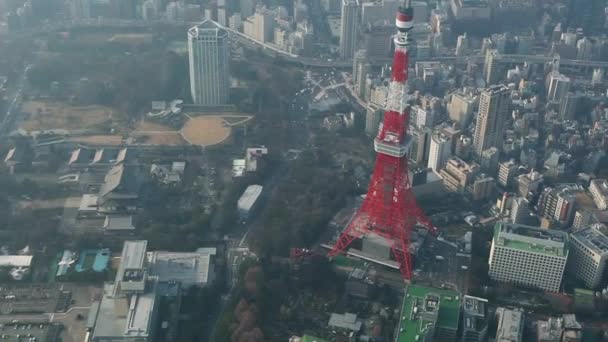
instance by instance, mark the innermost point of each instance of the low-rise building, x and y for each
(347, 322)
(521, 254)
(510, 325)
(187, 268)
(247, 202)
(120, 190)
(550, 330)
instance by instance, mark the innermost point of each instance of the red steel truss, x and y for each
(390, 209)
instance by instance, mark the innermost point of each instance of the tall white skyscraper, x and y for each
(493, 112)
(209, 57)
(349, 23)
(558, 85)
(440, 150)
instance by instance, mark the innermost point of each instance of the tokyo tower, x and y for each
(390, 209)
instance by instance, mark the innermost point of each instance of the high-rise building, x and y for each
(557, 203)
(80, 9)
(460, 109)
(377, 39)
(475, 319)
(247, 7)
(458, 174)
(589, 255)
(361, 68)
(483, 187)
(425, 116)
(510, 327)
(493, 70)
(349, 24)
(222, 16)
(597, 77)
(490, 129)
(440, 150)
(568, 105)
(506, 172)
(235, 22)
(584, 49)
(260, 26)
(521, 254)
(599, 192)
(373, 117)
(528, 183)
(209, 55)
(520, 210)
(462, 45)
(558, 86)
(489, 161)
(420, 147)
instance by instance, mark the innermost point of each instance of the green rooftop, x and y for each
(411, 325)
(531, 239)
(308, 338)
(346, 262)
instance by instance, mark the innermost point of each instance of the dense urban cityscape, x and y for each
(304, 170)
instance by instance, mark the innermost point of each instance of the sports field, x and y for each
(45, 115)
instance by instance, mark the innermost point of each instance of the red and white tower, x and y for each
(390, 209)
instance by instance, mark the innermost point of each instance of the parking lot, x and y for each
(29, 332)
(28, 299)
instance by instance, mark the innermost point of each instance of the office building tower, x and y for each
(589, 255)
(458, 174)
(361, 68)
(598, 76)
(520, 255)
(520, 210)
(489, 161)
(559, 85)
(209, 57)
(421, 141)
(557, 203)
(377, 39)
(247, 7)
(599, 191)
(490, 129)
(424, 115)
(475, 319)
(483, 187)
(80, 9)
(506, 172)
(222, 16)
(493, 70)
(460, 109)
(373, 117)
(462, 45)
(510, 327)
(528, 183)
(486, 45)
(235, 22)
(440, 150)
(584, 49)
(568, 105)
(260, 26)
(349, 25)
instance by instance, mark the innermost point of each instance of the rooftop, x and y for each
(416, 315)
(250, 195)
(510, 327)
(601, 185)
(15, 260)
(531, 239)
(122, 316)
(189, 268)
(593, 237)
(347, 321)
(116, 223)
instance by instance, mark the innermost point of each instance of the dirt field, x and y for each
(57, 115)
(206, 130)
(158, 138)
(98, 139)
(152, 126)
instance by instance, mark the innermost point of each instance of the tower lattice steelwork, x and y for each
(390, 209)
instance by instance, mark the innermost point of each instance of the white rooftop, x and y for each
(347, 321)
(249, 197)
(510, 327)
(15, 260)
(188, 268)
